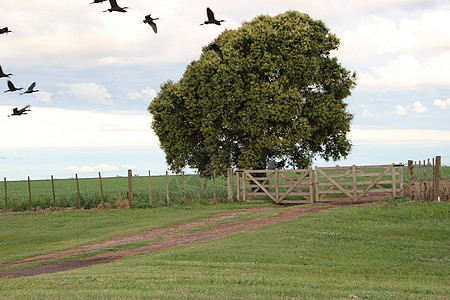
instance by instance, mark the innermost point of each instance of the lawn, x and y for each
(383, 251)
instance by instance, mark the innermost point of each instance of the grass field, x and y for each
(373, 252)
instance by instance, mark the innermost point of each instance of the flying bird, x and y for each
(19, 112)
(3, 74)
(97, 1)
(149, 20)
(12, 88)
(211, 19)
(4, 30)
(216, 49)
(115, 7)
(30, 89)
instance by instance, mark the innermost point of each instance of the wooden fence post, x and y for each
(401, 179)
(277, 186)
(230, 184)
(316, 184)
(29, 191)
(411, 179)
(150, 187)
(130, 187)
(238, 186)
(437, 177)
(214, 185)
(53, 190)
(101, 187)
(167, 189)
(6, 195)
(184, 190)
(78, 191)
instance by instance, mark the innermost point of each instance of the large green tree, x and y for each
(277, 95)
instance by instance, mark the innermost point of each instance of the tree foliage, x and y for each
(277, 95)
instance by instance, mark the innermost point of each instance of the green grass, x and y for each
(378, 252)
(28, 234)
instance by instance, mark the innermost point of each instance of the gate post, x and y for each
(316, 184)
(230, 184)
(411, 179)
(277, 189)
(437, 176)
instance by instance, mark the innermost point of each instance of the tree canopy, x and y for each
(277, 95)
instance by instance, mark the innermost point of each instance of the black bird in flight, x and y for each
(97, 1)
(30, 89)
(19, 112)
(3, 74)
(216, 49)
(149, 20)
(115, 7)
(4, 30)
(12, 88)
(211, 19)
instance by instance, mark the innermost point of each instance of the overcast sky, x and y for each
(98, 71)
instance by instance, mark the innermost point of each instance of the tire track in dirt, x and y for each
(172, 237)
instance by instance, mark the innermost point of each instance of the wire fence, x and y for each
(111, 192)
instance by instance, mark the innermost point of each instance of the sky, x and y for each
(97, 72)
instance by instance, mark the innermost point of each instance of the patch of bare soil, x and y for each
(171, 237)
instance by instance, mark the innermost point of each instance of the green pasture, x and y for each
(383, 251)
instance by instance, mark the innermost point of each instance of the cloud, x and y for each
(380, 35)
(90, 92)
(61, 128)
(441, 103)
(398, 136)
(45, 97)
(88, 169)
(144, 94)
(367, 113)
(406, 72)
(416, 106)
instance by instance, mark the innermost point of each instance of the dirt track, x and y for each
(171, 237)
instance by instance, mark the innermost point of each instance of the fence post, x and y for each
(214, 185)
(354, 181)
(6, 195)
(150, 187)
(244, 186)
(53, 190)
(411, 179)
(394, 182)
(238, 186)
(130, 187)
(311, 186)
(316, 184)
(437, 177)
(230, 184)
(167, 188)
(277, 186)
(101, 187)
(184, 190)
(78, 191)
(401, 179)
(29, 191)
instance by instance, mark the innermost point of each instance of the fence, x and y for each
(352, 183)
(133, 191)
(424, 180)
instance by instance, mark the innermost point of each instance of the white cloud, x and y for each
(406, 72)
(398, 136)
(367, 113)
(90, 92)
(380, 35)
(89, 169)
(400, 110)
(45, 97)
(56, 128)
(418, 107)
(441, 103)
(144, 94)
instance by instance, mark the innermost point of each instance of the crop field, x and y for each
(380, 251)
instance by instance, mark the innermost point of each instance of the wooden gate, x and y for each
(282, 186)
(356, 182)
